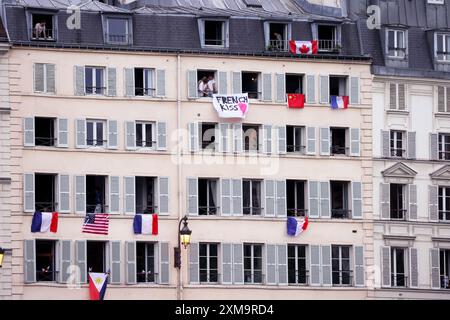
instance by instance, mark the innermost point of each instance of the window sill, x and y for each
(442, 114)
(398, 112)
(213, 47)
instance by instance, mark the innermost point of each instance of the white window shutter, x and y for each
(271, 264)
(355, 142)
(315, 278)
(194, 139)
(164, 263)
(29, 254)
(237, 82)
(163, 195)
(80, 136)
(434, 146)
(385, 196)
(80, 260)
(130, 267)
(237, 197)
(282, 264)
(433, 203)
(238, 263)
(314, 199)
(435, 269)
(29, 192)
(111, 81)
(270, 198)
(161, 128)
(192, 192)
(130, 135)
(237, 138)
(385, 144)
(282, 148)
(226, 197)
(130, 195)
(325, 211)
(222, 83)
(115, 261)
(129, 82)
(80, 194)
(357, 204)
(192, 84)
(224, 137)
(267, 87)
(413, 268)
(227, 263)
(28, 132)
(280, 79)
(114, 194)
(50, 78)
(113, 133)
(310, 89)
(194, 273)
(325, 141)
(412, 197)
(281, 198)
(63, 133)
(311, 141)
(411, 145)
(64, 193)
(441, 99)
(385, 266)
(160, 83)
(324, 90)
(359, 266)
(79, 81)
(354, 90)
(39, 77)
(402, 96)
(267, 139)
(326, 265)
(65, 260)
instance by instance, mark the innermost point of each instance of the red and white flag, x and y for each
(96, 223)
(304, 47)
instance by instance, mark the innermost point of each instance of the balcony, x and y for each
(399, 280)
(146, 277)
(295, 212)
(141, 209)
(339, 150)
(331, 46)
(278, 46)
(300, 278)
(398, 214)
(340, 213)
(207, 211)
(42, 35)
(45, 206)
(46, 275)
(342, 278)
(118, 38)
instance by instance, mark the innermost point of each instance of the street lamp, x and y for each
(2, 254)
(184, 238)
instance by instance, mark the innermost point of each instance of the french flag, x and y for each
(97, 285)
(295, 228)
(339, 102)
(44, 221)
(145, 224)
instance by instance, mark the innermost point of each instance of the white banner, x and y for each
(231, 106)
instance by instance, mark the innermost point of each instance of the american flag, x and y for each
(96, 223)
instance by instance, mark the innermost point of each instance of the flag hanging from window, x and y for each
(303, 47)
(339, 102)
(96, 223)
(296, 101)
(44, 222)
(295, 227)
(145, 224)
(97, 285)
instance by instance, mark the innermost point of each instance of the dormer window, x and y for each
(396, 43)
(278, 36)
(43, 27)
(213, 33)
(328, 38)
(442, 47)
(118, 31)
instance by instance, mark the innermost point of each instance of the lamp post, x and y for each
(184, 238)
(2, 254)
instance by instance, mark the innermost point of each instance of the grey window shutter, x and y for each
(267, 87)
(79, 81)
(311, 140)
(50, 78)
(310, 89)
(357, 211)
(64, 193)
(433, 203)
(324, 90)
(413, 268)
(355, 142)
(238, 263)
(325, 141)
(392, 96)
(194, 273)
(164, 263)
(267, 132)
(161, 83)
(113, 132)
(411, 145)
(435, 270)
(80, 128)
(281, 198)
(401, 96)
(192, 185)
(28, 189)
(162, 136)
(354, 90)
(314, 199)
(63, 132)
(130, 135)
(385, 195)
(385, 266)
(325, 211)
(130, 196)
(80, 259)
(115, 262)
(114, 194)
(359, 266)
(130, 254)
(280, 79)
(223, 137)
(282, 149)
(129, 82)
(237, 138)
(271, 264)
(163, 190)
(29, 254)
(192, 84)
(441, 99)
(434, 146)
(39, 85)
(237, 82)
(385, 144)
(222, 84)
(111, 72)
(237, 197)
(326, 265)
(65, 260)
(315, 265)
(412, 202)
(193, 137)
(80, 194)
(227, 263)
(28, 132)
(225, 197)
(282, 264)
(270, 186)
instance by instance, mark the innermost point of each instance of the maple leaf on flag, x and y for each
(304, 49)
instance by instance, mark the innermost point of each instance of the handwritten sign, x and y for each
(231, 106)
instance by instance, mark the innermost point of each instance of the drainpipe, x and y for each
(179, 191)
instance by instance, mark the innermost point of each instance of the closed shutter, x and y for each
(28, 132)
(441, 99)
(282, 149)
(237, 82)
(392, 96)
(64, 193)
(130, 254)
(326, 265)
(411, 145)
(227, 263)
(130, 135)
(80, 259)
(385, 193)
(29, 192)
(413, 268)
(434, 146)
(63, 132)
(130, 196)
(65, 254)
(433, 203)
(163, 193)
(115, 261)
(311, 140)
(222, 85)
(280, 79)
(355, 142)
(314, 199)
(114, 196)
(79, 81)
(237, 197)
(282, 264)
(237, 138)
(385, 266)
(160, 83)
(271, 264)
(281, 198)
(80, 129)
(267, 87)
(267, 132)
(238, 263)
(192, 185)
(325, 141)
(270, 186)
(129, 82)
(80, 194)
(385, 144)
(325, 211)
(111, 72)
(164, 263)
(354, 90)
(29, 254)
(324, 90)
(401, 97)
(357, 212)
(315, 265)
(225, 191)
(50, 78)
(194, 273)
(435, 270)
(161, 128)
(447, 101)
(113, 132)
(193, 137)
(412, 202)
(192, 84)
(359, 266)
(310, 89)
(223, 137)
(39, 84)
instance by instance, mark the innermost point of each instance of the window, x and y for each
(207, 197)
(252, 197)
(46, 260)
(338, 138)
(295, 139)
(295, 198)
(208, 258)
(44, 78)
(398, 267)
(144, 83)
(397, 96)
(214, 33)
(44, 130)
(278, 37)
(297, 272)
(95, 194)
(444, 204)
(45, 192)
(206, 83)
(339, 200)
(443, 99)
(396, 43)
(251, 84)
(294, 83)
(42, 27)
(328, 38)
(338, 86)
(145, 195)
(94, 82)
(444, 146)
(252, 263)
(397, 201)
(444, 262)
(251, 137)
(208, 136)
(442, 47)
(145, 134)
(117, 31)
(397, 144)
(96, 256)
(340, 265)
(145, 262)
(95, 133)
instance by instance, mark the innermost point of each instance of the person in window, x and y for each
(211, 86)
(203, 87)
(39, 29)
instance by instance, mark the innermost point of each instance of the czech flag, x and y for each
(339, 102)
(44, 221)
(145, 224)
(303, 47)
(295, 228)
(97, 285)
(296, 101)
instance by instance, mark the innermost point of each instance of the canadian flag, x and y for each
(303, 47)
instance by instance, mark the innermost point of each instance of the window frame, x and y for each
(253, 211)
(252, 269)
(298, 212)
(129, 29)
(54, 25)
(212, 146)
(54, 257)
(148, 81)
(95, 123)
(285, 41)
(102, 88)
(404, 210)
(209, 209)
(396, 49)
(55, 196)
(259, 93)
(247, 127)
(346, 142)
(334, 47)
(55, 133)
(346, 199)
(105, 244)
(144, 131)
(394, 273)
(208, 258)
(443, 193)
(300, 145)
(225, 33)
(45, 65)
(296, 259)
(394, 138)
(340, 260)
(144, 195)
(444, 274)
(442, 154)
(146, 267)
(445, 46)
(105, 194)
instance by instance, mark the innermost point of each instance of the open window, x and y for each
(340, 199)
(209, 262)
(444, 146)
(295, 139)
(251, 84)
(44, 131)
(45, 192)
(296, 198)
(338, 86)
(94, 78)
(278, 37)
(398, 201)
(96, 255)
(442, 47)
(144, 82)
(339, 145)
(328, 38)
(396, 43)
(251, 137)
(294, 83)
(397, 143)
(399, 267)
(251, 190)
(146, 261)
(444, 261)
(444, 204)
(46, 261)
(341, 266)
(208, 197)
(96, 194)
(118, 30)
(146, 195)
(145, 134)
(206, 83)
(43, 27)
(95, 133)
(208, 132)
(253, 263)
(214, 33)
(297, 265)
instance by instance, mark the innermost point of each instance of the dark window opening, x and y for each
(397, 144)
(252, 197)
(93, 81)
(42, 27)
(208, 136)
(338, 86)
(143, 82)
(294, 139)
(46, 260)
(278, 38)
(144, 135)
(297, 267)
(145, 195)
(338, 141)
(339, 200)
(398, 267)
(328, 39)
(207, 197)
(250, 84)
(44, 130)
(340, 264)
(397, 200)
(444, 146)
(444, 204)
(444, 268)
(253, 263)
(214, 33)
(294, 83)
(95, 133)
(95, 194)
(251, 137)
(117, 30)
(45, 192)
(208, 259)
(145, 262)
(206, 85)
(295, 197)
(96, 256)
